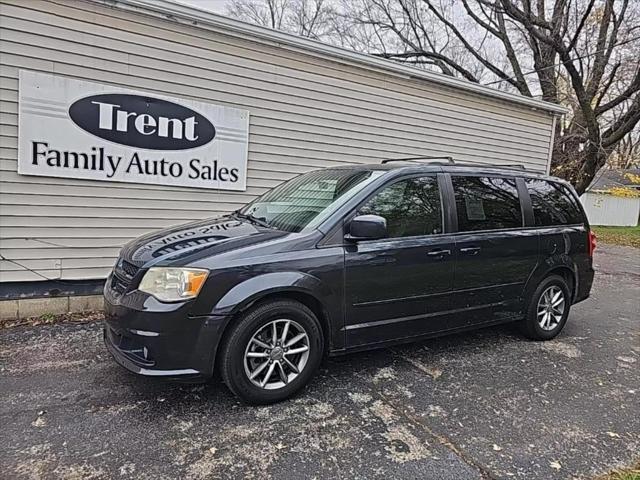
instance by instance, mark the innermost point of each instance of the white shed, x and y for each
(613, 198)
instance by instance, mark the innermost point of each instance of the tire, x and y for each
(243, 352)
(540, 322)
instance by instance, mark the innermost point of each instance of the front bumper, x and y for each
(158, 339)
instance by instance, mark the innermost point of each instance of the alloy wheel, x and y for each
(551, 307)
(276, 354)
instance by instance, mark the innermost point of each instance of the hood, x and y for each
(211, 235)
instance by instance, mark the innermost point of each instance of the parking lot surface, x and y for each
(486, 404)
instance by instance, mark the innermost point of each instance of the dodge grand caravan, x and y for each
(346, 259)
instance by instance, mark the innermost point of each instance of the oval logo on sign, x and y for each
(141, 121)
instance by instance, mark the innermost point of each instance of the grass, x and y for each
(631, 473)
(629, 236)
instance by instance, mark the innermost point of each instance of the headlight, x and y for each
(173, 284)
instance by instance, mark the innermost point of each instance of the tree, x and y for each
(581, 53)
(627, 153)
(584, 54)
(307, 18)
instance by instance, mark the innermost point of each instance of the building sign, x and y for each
(76, 129)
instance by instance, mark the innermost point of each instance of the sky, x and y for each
(216, 6)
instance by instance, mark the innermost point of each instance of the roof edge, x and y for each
(173, 10)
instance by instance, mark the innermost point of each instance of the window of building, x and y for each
(553, 204)
(411, 207)
(486, 203)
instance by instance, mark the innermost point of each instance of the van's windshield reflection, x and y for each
(306, 200)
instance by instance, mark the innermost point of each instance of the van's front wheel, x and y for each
(272, 352)
(548, 309)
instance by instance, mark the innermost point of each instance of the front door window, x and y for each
(411, 207)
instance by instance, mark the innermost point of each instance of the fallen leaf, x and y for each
(613, 434)
(39, 422)
(626, 359)
(497, 448)
(213, 450)
(555, 465)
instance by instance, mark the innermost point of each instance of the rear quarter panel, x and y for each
(564, 247)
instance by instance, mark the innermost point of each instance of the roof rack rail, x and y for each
(451, 161)
(409, 159)
(510, 166)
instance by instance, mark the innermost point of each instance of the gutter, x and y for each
(193, 16)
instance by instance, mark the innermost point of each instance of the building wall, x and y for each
(603, 209)
(306, 112)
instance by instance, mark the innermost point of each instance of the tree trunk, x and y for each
(576, 164)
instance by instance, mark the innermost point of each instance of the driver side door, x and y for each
(398, 286)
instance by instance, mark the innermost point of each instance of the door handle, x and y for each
(439, 252)
(470, 250)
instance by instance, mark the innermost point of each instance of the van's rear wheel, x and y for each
(272, 352)
(548, 309)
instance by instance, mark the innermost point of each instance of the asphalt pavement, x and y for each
(486, 404)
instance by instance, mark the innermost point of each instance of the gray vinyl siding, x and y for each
(307, 112)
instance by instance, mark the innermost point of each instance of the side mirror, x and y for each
(367, 227)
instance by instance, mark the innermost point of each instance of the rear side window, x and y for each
(486, 203)
(411, 207)
(553, 204)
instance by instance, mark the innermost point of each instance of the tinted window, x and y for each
(411, 207)
(485, 203)
(552, 203)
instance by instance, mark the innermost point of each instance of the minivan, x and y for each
(345, 259)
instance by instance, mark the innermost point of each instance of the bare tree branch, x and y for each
(633, 87)
(494, 69)
(432, 55)
(583, 20)
(604, 44)
(623, 125)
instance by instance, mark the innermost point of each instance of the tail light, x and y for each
(592, 242)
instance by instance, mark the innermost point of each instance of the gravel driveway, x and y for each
(487, 404)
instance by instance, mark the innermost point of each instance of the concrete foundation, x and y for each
(36, 307)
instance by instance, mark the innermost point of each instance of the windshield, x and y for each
(307, 200)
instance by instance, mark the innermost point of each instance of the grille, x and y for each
(129, 269)
(118, 285)
(122, 276)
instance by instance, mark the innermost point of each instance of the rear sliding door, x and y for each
(494, 253)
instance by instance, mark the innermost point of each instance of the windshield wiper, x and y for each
(258, 221)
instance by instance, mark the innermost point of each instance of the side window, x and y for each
(486, 203)
(411, 207)
(552, 203)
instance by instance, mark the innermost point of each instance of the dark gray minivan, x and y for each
(346, 259)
